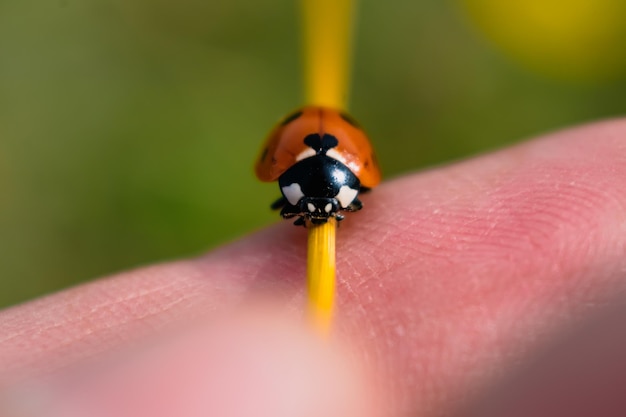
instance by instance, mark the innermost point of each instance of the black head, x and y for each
(318, 188)
(319, 209)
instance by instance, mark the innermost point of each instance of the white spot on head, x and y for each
(333, 153)
(311, 207)
(346, 195)
(293, 193)
(328, 208)
(307, 153)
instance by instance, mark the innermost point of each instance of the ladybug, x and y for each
(322, 160)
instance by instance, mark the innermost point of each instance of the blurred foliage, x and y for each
(128, 128)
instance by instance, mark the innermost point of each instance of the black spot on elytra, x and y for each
(349, 119)
(291, 118)
(321, 144)
(264, 154)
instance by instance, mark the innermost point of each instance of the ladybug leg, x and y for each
(356, 205)
(339, 217)
(364, 190)
(300, 221)
(278, 203)
(289, 211)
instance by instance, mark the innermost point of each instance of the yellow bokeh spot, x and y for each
(571, 39)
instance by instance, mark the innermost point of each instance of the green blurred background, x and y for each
(128, 128)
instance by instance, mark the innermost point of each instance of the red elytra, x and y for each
(285, 145)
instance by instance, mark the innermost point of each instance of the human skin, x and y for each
(448, 279)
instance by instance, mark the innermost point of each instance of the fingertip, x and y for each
(252, 363)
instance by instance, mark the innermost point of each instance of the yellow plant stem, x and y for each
(327, 38)
(327, 30)
(321, 274)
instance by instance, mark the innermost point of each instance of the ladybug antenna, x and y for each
(321, 144)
